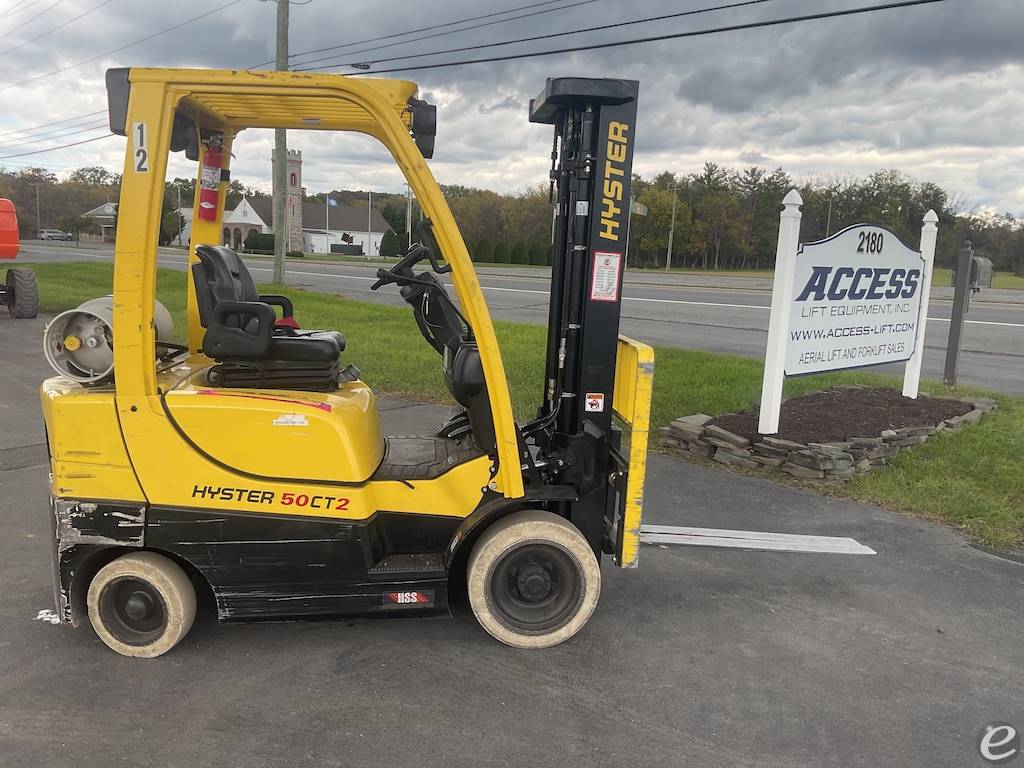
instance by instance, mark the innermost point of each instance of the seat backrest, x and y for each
(464, 376)
(220, 275)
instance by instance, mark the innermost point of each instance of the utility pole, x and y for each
(281, 228)
(369, 230)
(672, 227)
(408, 214)
(39, 220)
(828, 220)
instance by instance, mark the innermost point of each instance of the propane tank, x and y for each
(79, 343)
(209, 185)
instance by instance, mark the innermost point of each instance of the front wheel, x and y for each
(141, 604)
(533, 580)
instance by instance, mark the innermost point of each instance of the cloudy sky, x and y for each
(935, 90)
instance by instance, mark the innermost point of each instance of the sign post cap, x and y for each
(792, 198)
(931, 217)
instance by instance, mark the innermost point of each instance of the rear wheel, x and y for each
(141, 604)
(533, 580)
(22, 293)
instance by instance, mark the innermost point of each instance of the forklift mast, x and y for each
(594, 124)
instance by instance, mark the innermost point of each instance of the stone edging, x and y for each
(816, 462)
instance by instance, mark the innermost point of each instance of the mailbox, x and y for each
(981, 273)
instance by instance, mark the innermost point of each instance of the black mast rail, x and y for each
(594, 122)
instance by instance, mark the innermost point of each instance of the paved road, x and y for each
(700, 657)
(679, 311)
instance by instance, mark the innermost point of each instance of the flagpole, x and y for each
(327, 217)
(369, 214)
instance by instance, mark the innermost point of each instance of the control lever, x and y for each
(384, 277)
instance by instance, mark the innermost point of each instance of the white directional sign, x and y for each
(856, 301)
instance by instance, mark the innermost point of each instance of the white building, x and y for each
(311, 227)
(342, 225)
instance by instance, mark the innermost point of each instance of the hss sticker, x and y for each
(421, 599)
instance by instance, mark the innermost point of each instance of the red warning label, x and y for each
(594, 402)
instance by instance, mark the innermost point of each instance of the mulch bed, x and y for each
(840, 414)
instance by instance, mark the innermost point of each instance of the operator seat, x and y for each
(242, 334)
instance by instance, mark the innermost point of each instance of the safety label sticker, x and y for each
(594, 402)
(424, 599)
(604, 282)
(291, 420)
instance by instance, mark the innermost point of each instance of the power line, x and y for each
(14, 9)
(561, 34)
(53, 83)
(54, 29)
(656, 38)
(452, 32)
(9, 166)
(51, 135)
(123, 47)
(54, 149)
(30, 140)
(410, 31)
(33, 18)
(53, 123)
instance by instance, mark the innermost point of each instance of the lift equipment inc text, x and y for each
(856, 298)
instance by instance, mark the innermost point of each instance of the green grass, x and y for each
(942, 275)
(973, 479)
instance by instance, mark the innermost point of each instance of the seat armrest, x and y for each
(276, 300)
(226, 341)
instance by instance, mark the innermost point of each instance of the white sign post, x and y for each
(929, 232)
(778, 324)
(858, 298)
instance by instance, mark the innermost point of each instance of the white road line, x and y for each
(545, 293)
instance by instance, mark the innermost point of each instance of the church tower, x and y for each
(293, 204)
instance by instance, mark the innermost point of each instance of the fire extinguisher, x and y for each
(209, 187)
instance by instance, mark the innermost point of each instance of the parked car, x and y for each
(54, 234)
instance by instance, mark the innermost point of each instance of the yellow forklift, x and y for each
(250, 462)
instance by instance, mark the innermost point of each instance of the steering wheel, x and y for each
(439, 320)
(402, 272)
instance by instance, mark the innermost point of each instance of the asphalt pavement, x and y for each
(714, 313)
(699, 657)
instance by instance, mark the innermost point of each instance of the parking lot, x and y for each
(700, 657)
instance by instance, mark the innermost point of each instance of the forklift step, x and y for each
(430, 563)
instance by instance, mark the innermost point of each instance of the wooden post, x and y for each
(929, 232)
(778, 325)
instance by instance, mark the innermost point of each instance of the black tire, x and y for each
(22, 293)
(533, 580)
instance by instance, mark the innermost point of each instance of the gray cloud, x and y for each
(934, 90)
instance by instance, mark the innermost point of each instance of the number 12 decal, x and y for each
(140, 153)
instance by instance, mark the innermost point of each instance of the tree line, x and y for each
(724, 218)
